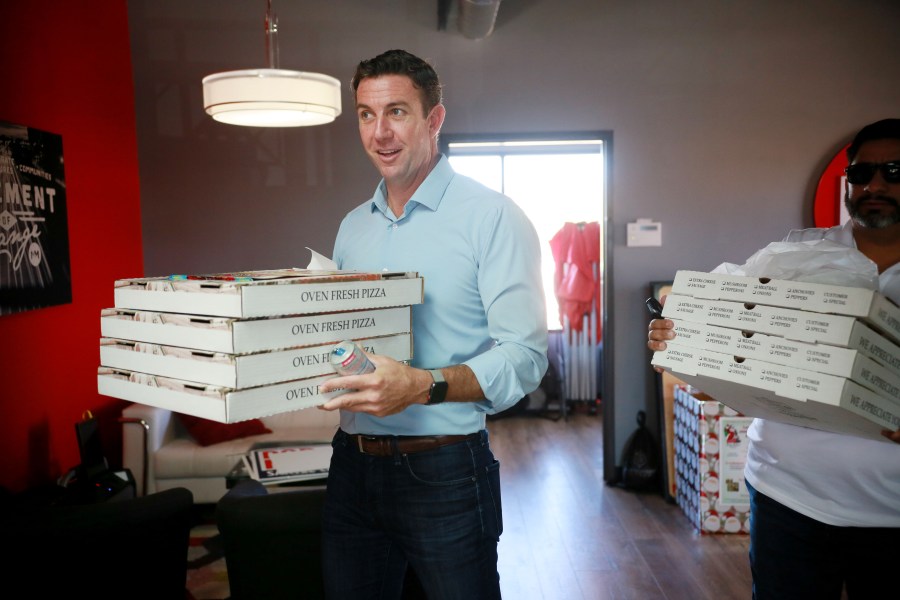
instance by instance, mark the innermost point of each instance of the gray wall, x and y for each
(723, 111)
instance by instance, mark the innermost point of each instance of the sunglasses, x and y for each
(862, 173)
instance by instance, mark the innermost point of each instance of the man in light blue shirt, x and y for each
(413, 480)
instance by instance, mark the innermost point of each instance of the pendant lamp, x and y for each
(271, 97)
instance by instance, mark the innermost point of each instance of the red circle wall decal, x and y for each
(830, 192)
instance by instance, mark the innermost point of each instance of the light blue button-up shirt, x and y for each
(484, 304)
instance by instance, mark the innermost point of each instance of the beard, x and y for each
(873, 219)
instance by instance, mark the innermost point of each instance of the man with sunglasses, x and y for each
(825, 507)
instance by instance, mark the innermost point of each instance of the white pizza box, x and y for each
(853, 363)
(789, 323)
(251, 294)
(856, 411)
(239, 336)
(789, 381)
(779, 393)
(868, 305)
(242, 370)
(222, 404)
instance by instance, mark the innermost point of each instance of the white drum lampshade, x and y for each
(272, 98)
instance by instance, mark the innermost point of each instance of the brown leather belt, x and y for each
(385, 445)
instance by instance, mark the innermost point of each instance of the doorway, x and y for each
(555, 178)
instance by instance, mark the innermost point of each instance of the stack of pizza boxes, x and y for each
(237, 346)
(710, 452)
(808, 354)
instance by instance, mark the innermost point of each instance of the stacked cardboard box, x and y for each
(814, 355)
(232, 347)
(710, 452)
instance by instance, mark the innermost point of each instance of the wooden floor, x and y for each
(569, 536)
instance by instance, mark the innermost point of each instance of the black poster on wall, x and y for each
(34, 230)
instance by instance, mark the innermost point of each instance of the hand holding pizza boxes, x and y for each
(236, 346)
(812, 354)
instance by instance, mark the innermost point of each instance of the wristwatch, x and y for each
(438, 391)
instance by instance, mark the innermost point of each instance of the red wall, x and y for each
(65, 68)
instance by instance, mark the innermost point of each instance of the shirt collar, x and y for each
(847, 233)
(429, 193)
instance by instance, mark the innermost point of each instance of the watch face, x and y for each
(438, 392)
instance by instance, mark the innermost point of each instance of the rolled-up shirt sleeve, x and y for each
(509, 279)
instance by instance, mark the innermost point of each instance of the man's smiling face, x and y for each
(396, 134)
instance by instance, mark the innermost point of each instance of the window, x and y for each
(554, 179)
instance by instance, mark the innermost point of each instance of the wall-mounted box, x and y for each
(644, 232)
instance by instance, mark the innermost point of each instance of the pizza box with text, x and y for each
(780, 393)
(226, 405)
(792, 382)
(790, 323)
(269, 293)
(239, 336)
(857, 411)
(868, 305)
(243, 370)
(854, 363)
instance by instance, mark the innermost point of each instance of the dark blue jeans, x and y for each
(437, 511)
(795, 557)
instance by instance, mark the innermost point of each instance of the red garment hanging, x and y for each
(576, 252)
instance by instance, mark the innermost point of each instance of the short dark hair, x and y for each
(885, 129)
(401, 62)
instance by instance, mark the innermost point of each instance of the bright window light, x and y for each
(554, 182)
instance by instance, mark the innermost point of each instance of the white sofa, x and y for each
(173, 459)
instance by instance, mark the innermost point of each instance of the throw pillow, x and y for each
(208, 432)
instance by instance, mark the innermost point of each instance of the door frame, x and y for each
(606, 260)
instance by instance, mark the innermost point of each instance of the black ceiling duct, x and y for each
(477, 17)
